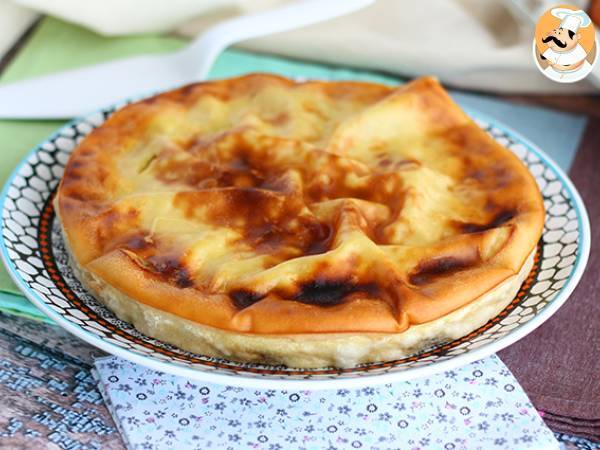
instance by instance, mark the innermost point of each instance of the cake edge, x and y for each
(340, 350)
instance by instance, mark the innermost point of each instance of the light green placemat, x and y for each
(56, 45)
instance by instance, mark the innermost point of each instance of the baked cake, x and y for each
(306, 224)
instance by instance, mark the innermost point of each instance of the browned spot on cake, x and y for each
(82, 178)
(496, 176)
(172, 268)
(114, 226)
(427, 271)
(385, 162)
(331, 292)
(502, 176)
(279, 120)
(322, 238)
(243, 298)
(157, 258)
(320, 291)
(189, 89)
(497, 220)
(138, 242)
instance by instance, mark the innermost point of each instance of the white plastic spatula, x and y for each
(75, 92)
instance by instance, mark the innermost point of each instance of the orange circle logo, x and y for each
(564, 47)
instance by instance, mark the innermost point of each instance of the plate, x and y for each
(33, 251)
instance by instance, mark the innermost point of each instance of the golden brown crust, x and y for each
(313, 350)
(264, 206)
(309, 350)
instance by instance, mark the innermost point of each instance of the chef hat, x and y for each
(571, 20)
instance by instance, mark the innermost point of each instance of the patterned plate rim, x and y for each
(583, 250)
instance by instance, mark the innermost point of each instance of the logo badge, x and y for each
(565, 48)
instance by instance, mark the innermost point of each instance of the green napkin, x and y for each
(56, 46)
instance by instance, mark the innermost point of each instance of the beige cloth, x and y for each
(14, 20)
(471, 44)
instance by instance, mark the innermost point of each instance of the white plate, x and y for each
(34, 254)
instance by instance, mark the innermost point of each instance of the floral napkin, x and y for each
(479, 406)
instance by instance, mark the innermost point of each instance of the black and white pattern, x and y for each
(26, 197)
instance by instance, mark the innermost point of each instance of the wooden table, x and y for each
(48, 397)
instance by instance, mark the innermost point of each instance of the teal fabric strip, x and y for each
(19, 306)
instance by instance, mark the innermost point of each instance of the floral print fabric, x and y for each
(478, 406)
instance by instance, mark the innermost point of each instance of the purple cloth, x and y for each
(558, 364)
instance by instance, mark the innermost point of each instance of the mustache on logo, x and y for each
(556, 41)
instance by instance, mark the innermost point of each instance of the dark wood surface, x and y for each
(587, 105)
(48, 397)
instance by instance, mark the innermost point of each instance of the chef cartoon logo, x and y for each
(565, 46)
